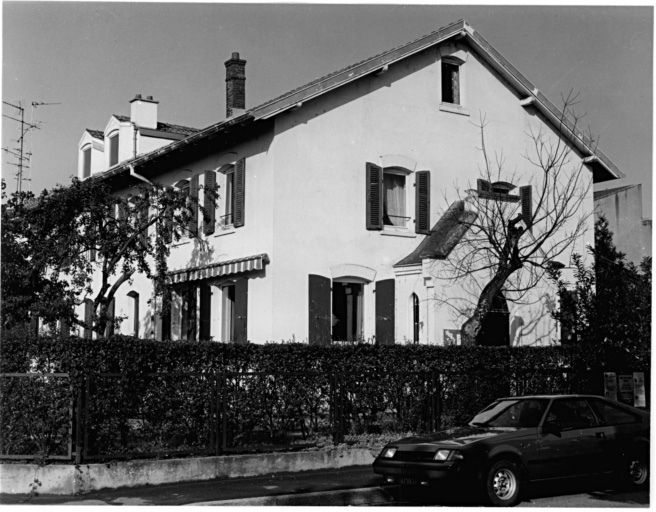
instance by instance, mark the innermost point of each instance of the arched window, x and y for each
(414, 302)
(134, 312)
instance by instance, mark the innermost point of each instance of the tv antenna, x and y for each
(23, 157)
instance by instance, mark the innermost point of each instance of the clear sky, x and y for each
(93, 57)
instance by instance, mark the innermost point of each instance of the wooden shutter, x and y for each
(241, 311)
(422, 202)
(209, 204)
(239, 213)
(92, 254)
(525, 195)
(88, 316)
(385, 312)
(166, 316)
(320, 320)
(374, 197)
(121, 212)
(143, 223)
(193, 194)
(205, 311)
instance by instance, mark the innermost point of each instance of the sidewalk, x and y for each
(297, 488)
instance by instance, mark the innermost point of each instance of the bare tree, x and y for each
(510, 240)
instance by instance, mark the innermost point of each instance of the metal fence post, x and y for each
(79, 425)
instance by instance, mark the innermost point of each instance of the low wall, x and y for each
(71, 479)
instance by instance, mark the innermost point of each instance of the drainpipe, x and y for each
(142, 178)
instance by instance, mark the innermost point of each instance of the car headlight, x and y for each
(388, 453)
(442, 455)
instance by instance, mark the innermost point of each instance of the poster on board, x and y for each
(639, 392)
(625, 389)
(610, 385)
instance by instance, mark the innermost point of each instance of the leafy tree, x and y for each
(608, 306)
(58, 242)
(509, 240)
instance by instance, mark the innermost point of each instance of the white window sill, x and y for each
(181, 243)
(454, 109)
(402, 232)
(228, 230)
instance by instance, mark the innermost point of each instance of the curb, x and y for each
(70, 479)
(346, 497)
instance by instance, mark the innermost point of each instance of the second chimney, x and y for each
(235, 85)
(143, 112)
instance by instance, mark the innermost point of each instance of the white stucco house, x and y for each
(332, 197)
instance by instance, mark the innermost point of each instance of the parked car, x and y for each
(520, 439)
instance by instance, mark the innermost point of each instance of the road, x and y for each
(351, 486)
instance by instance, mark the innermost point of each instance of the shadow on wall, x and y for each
(522, 328)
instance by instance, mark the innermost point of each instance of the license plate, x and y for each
(409, 481)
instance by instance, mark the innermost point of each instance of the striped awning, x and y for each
(222, 268)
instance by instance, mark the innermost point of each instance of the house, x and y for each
(337, 198)
(622, 208)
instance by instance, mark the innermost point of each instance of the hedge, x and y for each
(397, 388)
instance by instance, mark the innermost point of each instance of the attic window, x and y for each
(451, 82)
(86, 162)
(113, 149)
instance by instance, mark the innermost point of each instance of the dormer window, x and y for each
(499, 190)
(86, 162)
(113, 149)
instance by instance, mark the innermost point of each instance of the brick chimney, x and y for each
(235, 85)
(143, 112)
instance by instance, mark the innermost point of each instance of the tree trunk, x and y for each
(473, 325)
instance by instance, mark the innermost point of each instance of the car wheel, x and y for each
(637, 468)
(504, 484)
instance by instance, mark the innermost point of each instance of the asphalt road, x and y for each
(318, 486)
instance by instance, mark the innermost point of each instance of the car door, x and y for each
(569, 442)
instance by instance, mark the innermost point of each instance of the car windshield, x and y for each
(512, 413)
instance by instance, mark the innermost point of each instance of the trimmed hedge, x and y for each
(124, 354)
(293, 389)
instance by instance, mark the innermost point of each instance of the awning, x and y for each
(222, 268)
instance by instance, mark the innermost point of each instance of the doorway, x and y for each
(347, 311)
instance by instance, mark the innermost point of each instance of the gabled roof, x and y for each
(444, 236)
(96, 134)
(604, 169)
(165, 127)
(600, 194)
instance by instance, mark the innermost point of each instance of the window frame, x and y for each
(113, 143)
(456, 58)
(408, 205)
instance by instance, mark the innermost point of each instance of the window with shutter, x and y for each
(422, 202)
(205, 311)
(241, 311)
(240, 193)
(319, 319)
(385, 312)
(374, 197)
(525, 194)
(193, 196)
(450, 83)
(209, 203)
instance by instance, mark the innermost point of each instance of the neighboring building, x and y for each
(328, 226)
(622, 208)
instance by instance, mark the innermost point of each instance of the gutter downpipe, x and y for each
(139, 176)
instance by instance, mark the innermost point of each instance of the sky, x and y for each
(91, 58)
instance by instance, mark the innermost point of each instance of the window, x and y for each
(227, 219)
(228, 313)
(113, 149)
(613, 415)
(86, 162)
(571, 414)
(415, 318)
(347, 311)
(134, 313)
(450, 83)
(394, 199)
